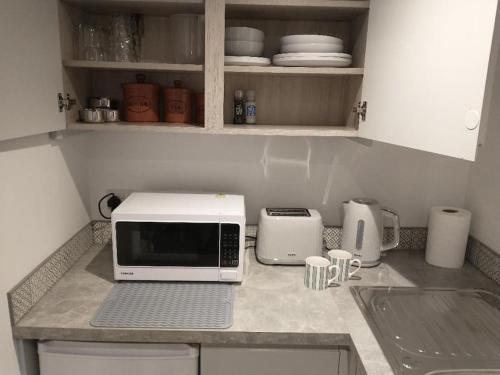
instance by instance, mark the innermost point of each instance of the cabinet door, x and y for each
(272, 360)
(425, 73)
(30, 68)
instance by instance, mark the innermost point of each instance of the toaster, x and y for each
(288, 235)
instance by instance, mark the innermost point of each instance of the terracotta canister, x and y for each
(200, 107)
(177, 103)
(141, 101)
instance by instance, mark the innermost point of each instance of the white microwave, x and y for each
(179, 237)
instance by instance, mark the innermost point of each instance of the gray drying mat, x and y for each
(166, 305)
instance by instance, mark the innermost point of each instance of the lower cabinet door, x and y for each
(273, 360)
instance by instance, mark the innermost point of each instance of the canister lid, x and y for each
(177, 88)
(140, 82)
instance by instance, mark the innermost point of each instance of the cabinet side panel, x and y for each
(214, 63)
(359, 30)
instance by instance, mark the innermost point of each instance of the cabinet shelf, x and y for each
(293, 71)
(148, 127)
(151, 7)
(332, 10)
(228, 129)
(132, 66)
(291, 130)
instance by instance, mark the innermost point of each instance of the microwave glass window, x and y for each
(167, 244)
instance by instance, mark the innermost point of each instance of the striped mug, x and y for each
(318, 273)
(343, 260)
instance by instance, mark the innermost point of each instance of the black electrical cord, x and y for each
(254, 238)
(99, 204)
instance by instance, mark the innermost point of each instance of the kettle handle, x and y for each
(395, 220)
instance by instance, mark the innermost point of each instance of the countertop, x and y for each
(271, 306)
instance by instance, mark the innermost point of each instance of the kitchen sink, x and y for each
(434, 331)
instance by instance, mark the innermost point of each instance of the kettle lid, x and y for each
(365, 201)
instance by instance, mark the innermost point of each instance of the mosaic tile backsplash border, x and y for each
(483, 258)
(101, 231)
(29, 291)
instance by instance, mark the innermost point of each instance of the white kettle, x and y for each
(362, 233)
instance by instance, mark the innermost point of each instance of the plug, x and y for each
(113, 202)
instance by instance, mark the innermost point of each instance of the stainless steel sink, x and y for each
(434, 331)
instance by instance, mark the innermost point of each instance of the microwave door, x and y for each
(160, 244)
(135, 238)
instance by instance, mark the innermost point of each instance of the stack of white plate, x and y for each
(244, 46)
(312, 50)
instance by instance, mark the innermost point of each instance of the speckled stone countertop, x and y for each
(271, 306)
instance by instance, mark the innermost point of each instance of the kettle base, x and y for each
(373, 263)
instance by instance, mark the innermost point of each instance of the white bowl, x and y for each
(310, 38)
(248, 34)
(311, 47)
(243, 48)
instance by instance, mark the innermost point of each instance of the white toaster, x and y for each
(288, 235)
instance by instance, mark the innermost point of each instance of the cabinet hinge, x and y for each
(360, 110)
(65, 103)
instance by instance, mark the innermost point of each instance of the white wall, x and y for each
(483, 193)
(47, 186)
(278, 171)
(43, 197)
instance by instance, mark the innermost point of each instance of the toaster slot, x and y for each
(304, 212)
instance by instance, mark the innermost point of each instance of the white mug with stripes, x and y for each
(344, 261)
(319, 273)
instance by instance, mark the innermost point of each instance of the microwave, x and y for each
(179, 237)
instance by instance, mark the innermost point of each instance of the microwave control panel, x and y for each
(229, 245)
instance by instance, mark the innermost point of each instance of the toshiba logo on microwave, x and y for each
(126, 273)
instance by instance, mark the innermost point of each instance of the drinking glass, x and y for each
(90, 43)
(187, 38)
(125, 37)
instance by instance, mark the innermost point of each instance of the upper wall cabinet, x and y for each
(299, 100)
(135, 42)
(426, 69)
(30, 65)
(420, 77)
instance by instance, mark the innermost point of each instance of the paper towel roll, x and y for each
(447, 235)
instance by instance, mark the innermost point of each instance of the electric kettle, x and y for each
(362, 233)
